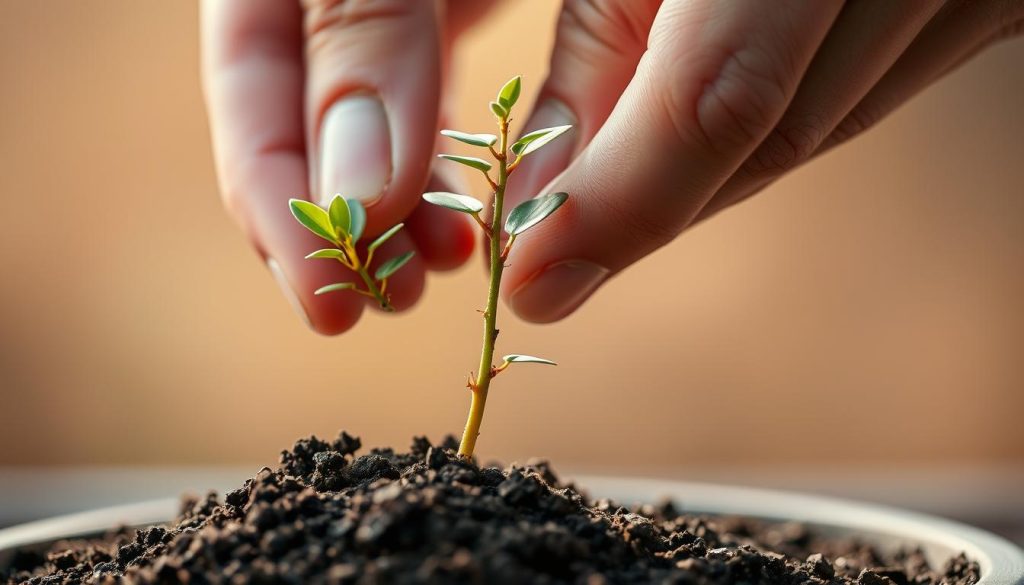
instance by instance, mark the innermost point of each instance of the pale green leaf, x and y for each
(532, 211)
(538, 138)
(334, 287)
(515, 357)
(314, 218)
(463, 203)
(328, 253)
(499, 110)
(341, 219)
(470, 161)
(509, 94)
(391, 266)
(384, 237)
(473, 139)
(357, 215)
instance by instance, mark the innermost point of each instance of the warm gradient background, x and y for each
(869, 309)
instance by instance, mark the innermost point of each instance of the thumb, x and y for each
(372, 98)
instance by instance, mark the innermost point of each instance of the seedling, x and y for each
(342, 225)
(523, 217)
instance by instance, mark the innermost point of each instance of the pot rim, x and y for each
(1001, 562)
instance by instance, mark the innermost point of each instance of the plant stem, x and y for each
(497, 265)
(372, 287)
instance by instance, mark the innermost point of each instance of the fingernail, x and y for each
(557, 290)
(355, 149)
(538, 169)
(288, 291)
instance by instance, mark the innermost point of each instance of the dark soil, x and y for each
(326, 516)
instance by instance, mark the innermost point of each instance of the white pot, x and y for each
(1001, 562)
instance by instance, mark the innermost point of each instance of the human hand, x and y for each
(321, 97)
(684, 107)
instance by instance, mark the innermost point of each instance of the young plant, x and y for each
(342, 225)
(507, 157)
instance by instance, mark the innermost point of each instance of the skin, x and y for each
(681, 109)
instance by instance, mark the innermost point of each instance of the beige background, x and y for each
(866, 309)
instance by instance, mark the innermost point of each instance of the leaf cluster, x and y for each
(342, 224)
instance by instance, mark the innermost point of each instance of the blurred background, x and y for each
(856, 329)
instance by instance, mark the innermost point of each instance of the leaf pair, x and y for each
(507, 97)
(525, 215)
(341, 221)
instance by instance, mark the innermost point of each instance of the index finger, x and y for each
(252, 72)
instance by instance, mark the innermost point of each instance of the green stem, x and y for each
(497, 264)
(372, 287)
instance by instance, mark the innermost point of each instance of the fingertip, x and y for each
(444, 239)
(327, 314)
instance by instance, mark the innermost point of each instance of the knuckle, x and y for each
(860, 118)
(1013, 28)
(1011, 15)
(743, 102)
(599, 29)
(638, 229)
(322, 16)
(785, 148)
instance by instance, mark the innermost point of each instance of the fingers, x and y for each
(716, 78)
(372, 93)
(597, 48)
(952, 34)
(252, 77)
(956, 33)
(866, 39)
(460, 15)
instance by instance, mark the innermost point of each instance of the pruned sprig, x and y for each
(342, 224)
(525, 215)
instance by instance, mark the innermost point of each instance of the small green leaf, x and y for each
(334, 287)
(532, 211)
(384, 237)
(470, 161)
(515, 357)
(499, 110)
(391, 266)
(357, 215)
(341, 219)
(538, 138)
(509, 94)
(314, 218)
(474, 139)
(328, 253)
(463, 203)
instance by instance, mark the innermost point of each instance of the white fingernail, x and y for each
(355, 150)
(288, 291)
